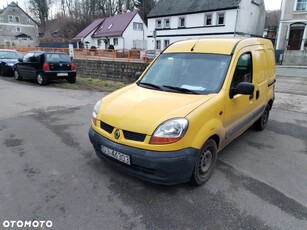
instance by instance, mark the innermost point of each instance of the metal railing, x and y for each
(90, 54)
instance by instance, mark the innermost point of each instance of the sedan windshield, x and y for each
(5, 54)
(190, 73)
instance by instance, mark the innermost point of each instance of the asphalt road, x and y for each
(49, 171)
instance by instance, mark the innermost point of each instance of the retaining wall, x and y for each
(109, 70)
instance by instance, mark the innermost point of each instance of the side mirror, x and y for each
(20, 59)
(244, 88)
(137, 75)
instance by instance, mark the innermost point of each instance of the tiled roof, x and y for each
(115, 26)
(175, 7)
(87, 30)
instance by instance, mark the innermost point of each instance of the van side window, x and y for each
(243, 72)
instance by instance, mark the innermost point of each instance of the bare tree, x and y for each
(40, 9)
(145, 7)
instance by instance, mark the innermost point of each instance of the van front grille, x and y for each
(134, 136)
(106, 127)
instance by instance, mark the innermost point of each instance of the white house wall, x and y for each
(130, 35)
(194, 27)
(92, 41)
(251, 18)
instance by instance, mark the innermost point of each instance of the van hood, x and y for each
(141, 110)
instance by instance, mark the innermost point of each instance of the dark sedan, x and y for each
(7, 60)
(45, 67)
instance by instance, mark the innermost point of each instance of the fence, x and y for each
(90, 54)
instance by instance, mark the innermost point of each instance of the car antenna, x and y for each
(192, 49)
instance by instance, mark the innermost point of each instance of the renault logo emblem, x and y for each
(117, 134)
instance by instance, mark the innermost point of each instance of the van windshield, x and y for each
(192, 73)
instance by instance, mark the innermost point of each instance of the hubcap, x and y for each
(16, 74)
(205, 161)
(39, 79)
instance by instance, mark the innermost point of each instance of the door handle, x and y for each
(257, 94)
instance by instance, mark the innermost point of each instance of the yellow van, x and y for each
(191, 101)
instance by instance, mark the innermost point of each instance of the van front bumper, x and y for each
(171, 167)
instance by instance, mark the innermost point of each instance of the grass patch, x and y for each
(86, 83)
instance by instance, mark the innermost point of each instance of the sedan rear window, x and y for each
(56, 57)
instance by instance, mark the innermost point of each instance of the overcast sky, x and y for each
(269, 4)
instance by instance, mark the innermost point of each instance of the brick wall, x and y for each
(109, 70)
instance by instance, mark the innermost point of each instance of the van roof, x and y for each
(213, 45)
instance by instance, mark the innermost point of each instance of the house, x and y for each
(17, 28)
(170, 21)
(292, 33)
(84, 38)
(122, 31)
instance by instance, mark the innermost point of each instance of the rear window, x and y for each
(57, 57)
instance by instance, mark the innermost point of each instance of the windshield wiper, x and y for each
(184, 90)
(151, 85)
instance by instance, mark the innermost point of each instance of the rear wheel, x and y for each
(71, 80)
(262, 122)
(41, 80)
(17, 75)
(205, 163)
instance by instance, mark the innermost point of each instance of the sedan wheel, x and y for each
(16, 75)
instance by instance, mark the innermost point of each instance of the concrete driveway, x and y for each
(49, 171)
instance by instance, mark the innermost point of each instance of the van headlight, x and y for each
(95, 111)
(170, 131)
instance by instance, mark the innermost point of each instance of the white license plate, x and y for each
(116, 155)
(62, 74)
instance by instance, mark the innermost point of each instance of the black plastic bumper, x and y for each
(172, 167)
(53, 75)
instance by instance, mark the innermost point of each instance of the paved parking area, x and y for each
(49, 171)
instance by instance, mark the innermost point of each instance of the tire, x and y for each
(262, 122)
(17, 75)
(71, 80)
(2, 70)
(205, 163)
(41, 79)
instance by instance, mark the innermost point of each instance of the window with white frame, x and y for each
(11, 18)
(158, 24)
(17, 19)
(115, 41)
(166, 43)
(158, 44)
(208, 19)
(221, 18)
(166, 23)
(301, 5)
(181, 22)
(1, 18)
(18, 29)
(137, 26)
(28, 20)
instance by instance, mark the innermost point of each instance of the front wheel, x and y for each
(262, 122)
(205, 163)
(41, 80)
(17, 75)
